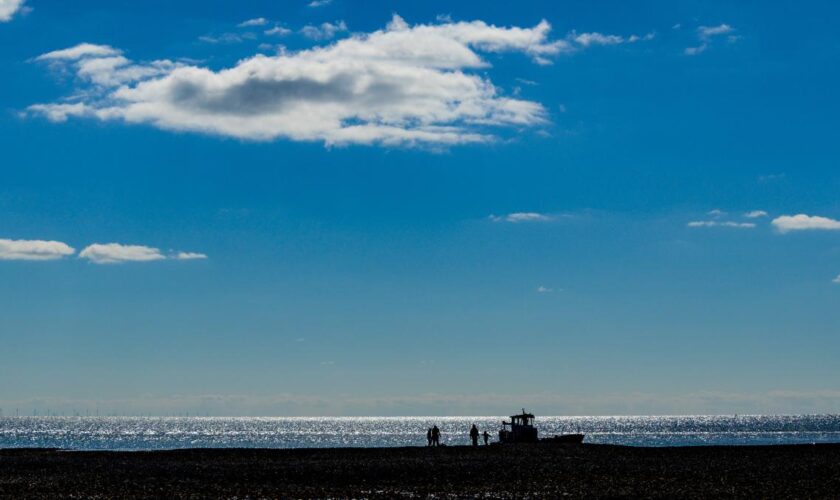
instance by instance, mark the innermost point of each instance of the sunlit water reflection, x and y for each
(143, 433)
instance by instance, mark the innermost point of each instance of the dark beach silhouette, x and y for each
(520, 471)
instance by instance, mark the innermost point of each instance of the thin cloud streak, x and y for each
(518, 217)
(716, 223)
(259, 21)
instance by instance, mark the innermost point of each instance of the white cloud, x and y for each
(755, 214)
(325, 31)
(398, 86)
(716, 223)
(517, 217)
(8, 8)
(802, 222)
(544, 289)
(189, 256)
(319, 3)
(403, 85)
(523, 81)
(278, 31)
(225, 38)
(836, 280)
(716, 213)
(595, 38)
(115, 253)
(80, 51)
(707, 32)
(259, 21)
(693, 51)
(587, 39)
(33, 250)
(59, 112)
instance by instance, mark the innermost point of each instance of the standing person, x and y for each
(486, 438)
(429, 437)
(474, 435)
(435, 436)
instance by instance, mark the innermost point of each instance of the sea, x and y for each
(159, 433)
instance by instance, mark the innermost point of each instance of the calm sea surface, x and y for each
(142, 433)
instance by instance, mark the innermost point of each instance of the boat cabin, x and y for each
(520, 429)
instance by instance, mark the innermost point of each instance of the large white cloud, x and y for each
(8, 8)
(802, 222)
(33, 250)
(401, 85)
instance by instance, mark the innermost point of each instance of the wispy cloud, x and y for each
(80, 51)
(517, 217)
(278, 31)
(719, 223)
(8, 8)
(771, 178)
(189, 256)
(693, 51)
(544, 289)
(318, 3)
(227, 38)
(258, 21)
(324, 31)
(836, 280)
(803, 222)
(706, 34)
(595, 38)
(34, 250)
(755, 214)
(523, 81)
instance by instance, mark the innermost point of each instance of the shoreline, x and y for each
(501, 471)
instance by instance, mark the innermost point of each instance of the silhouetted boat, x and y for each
(521, 429)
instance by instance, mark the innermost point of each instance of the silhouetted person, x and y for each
(474, 435)
(486, 438)
(429, 437)
(435, 436)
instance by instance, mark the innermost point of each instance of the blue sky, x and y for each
(353, 208)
